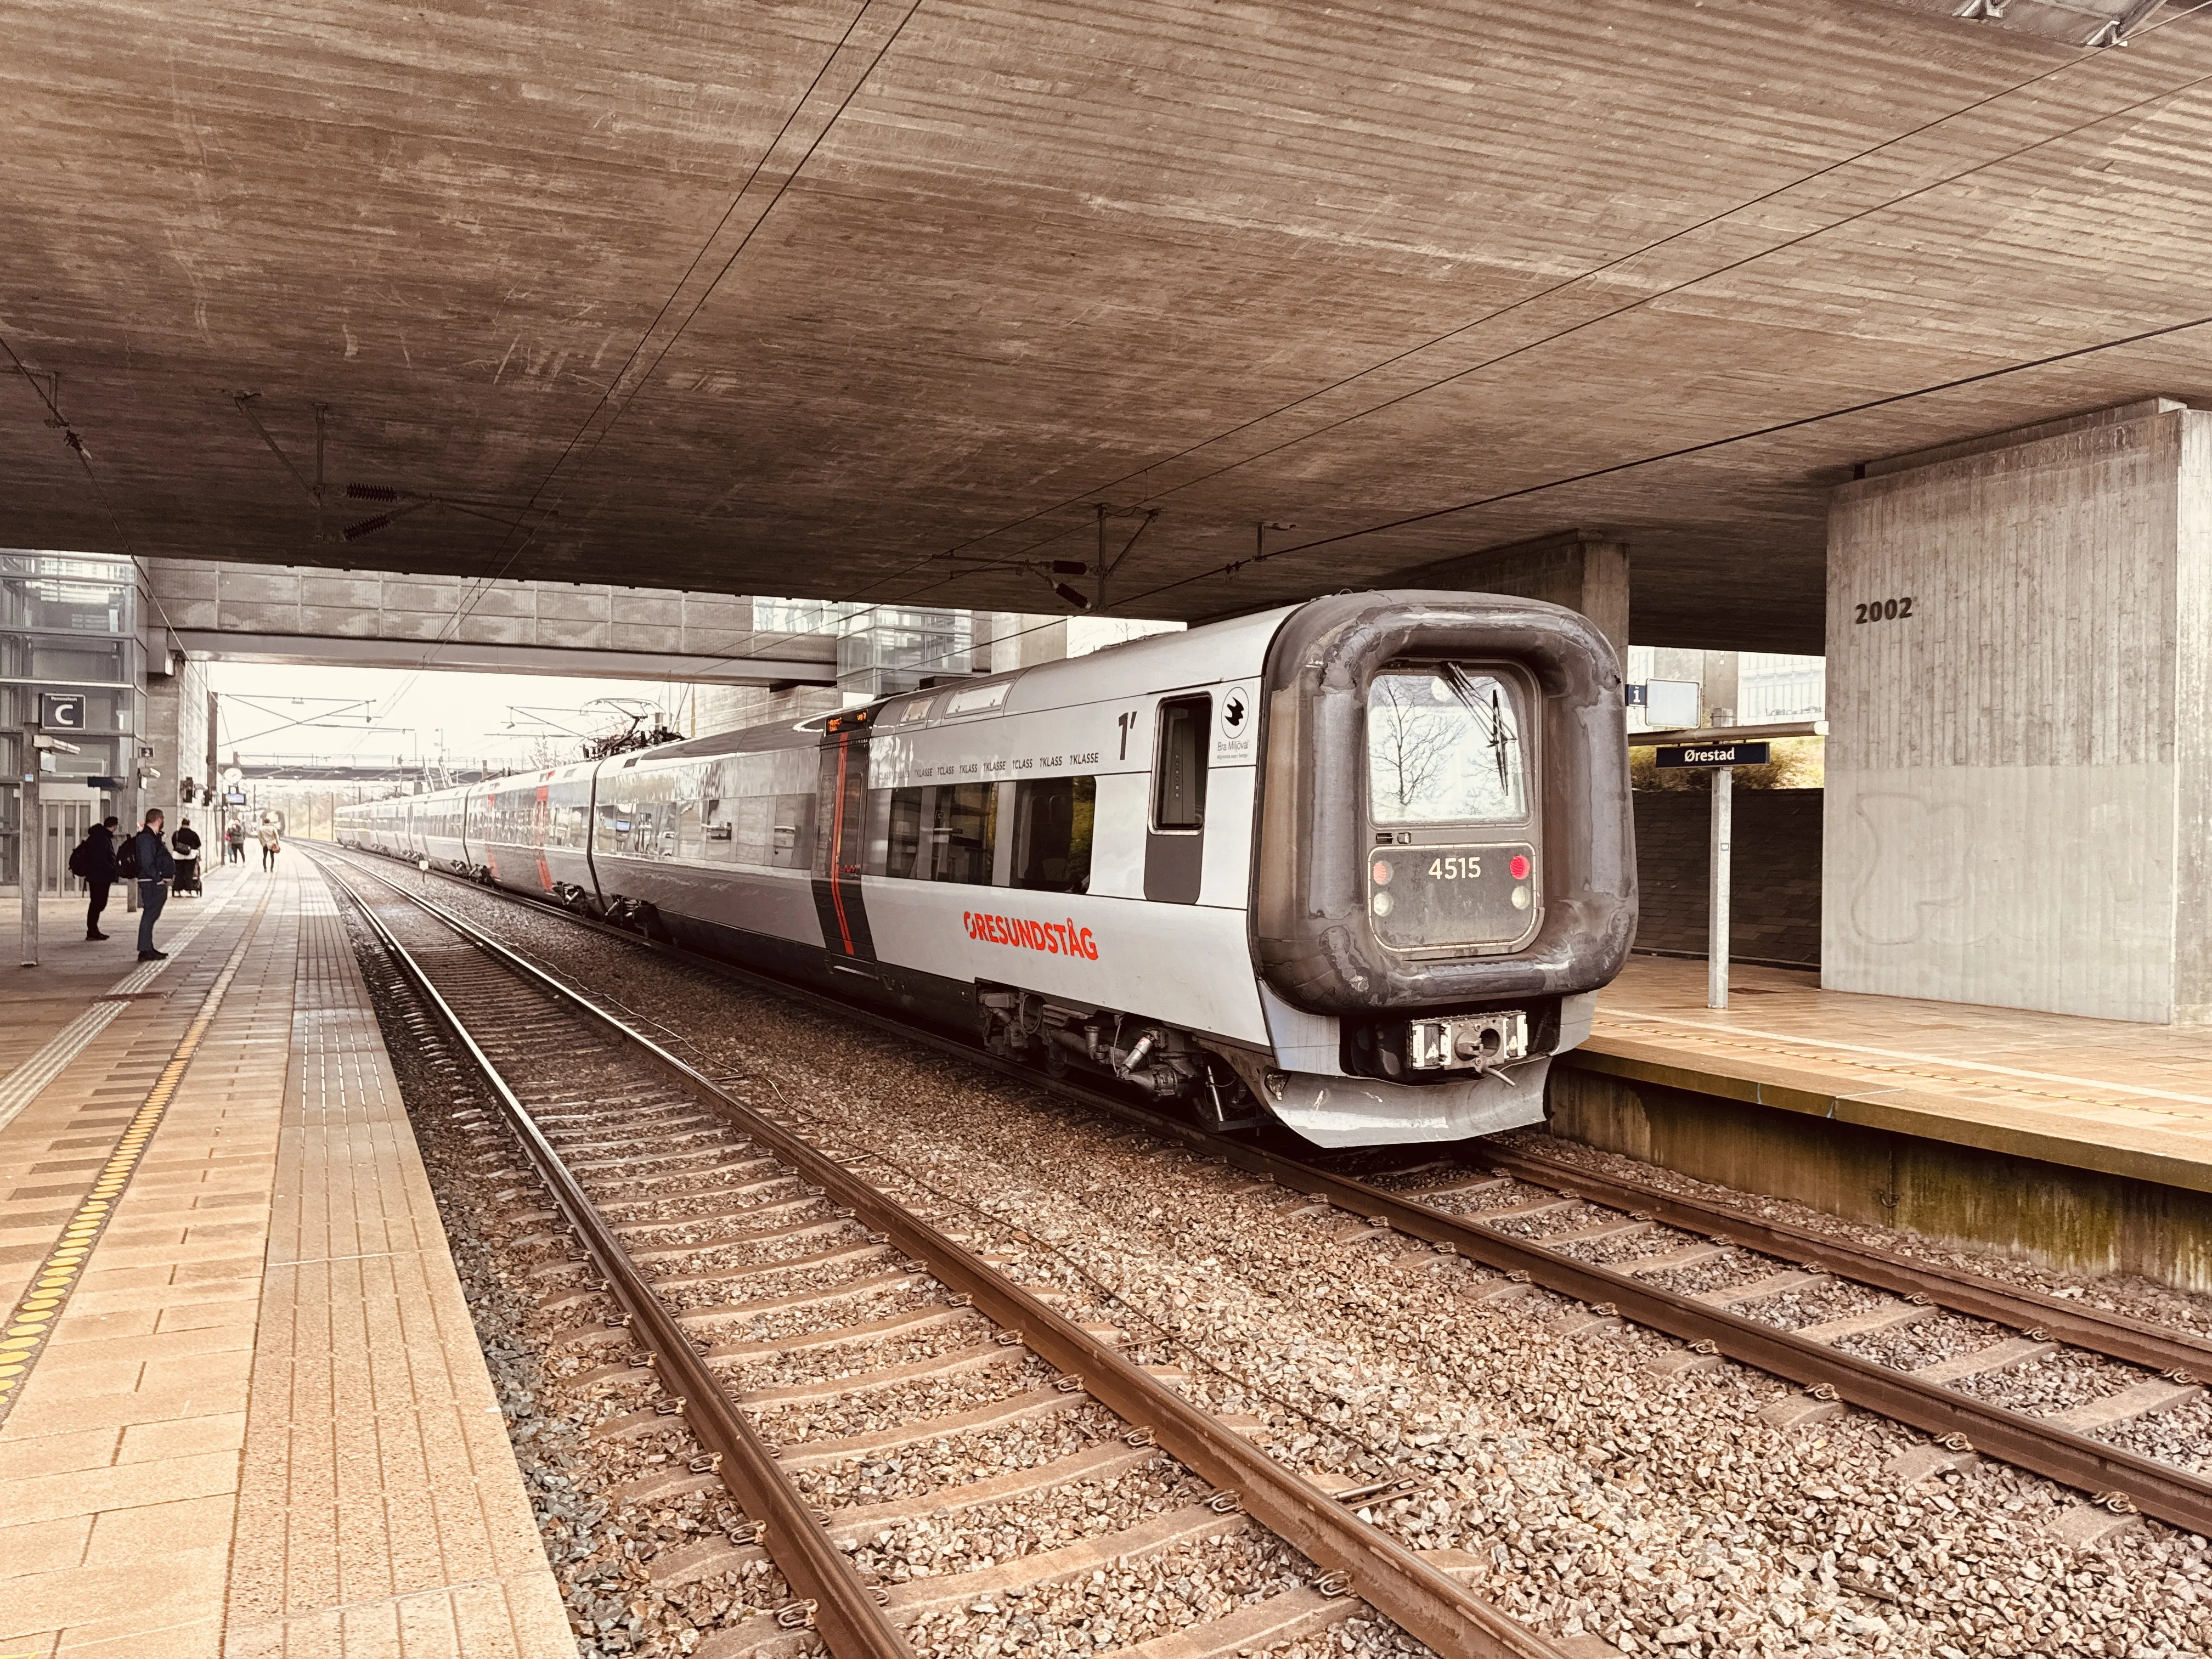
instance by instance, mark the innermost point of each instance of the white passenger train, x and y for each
(1362, 863)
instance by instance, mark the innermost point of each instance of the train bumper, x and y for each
(1359, 1111)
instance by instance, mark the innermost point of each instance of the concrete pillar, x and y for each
(2019, 803)
(1585, 570)
(176, 729)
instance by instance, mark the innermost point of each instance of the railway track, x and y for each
(1537, 1223)
(800, 1318)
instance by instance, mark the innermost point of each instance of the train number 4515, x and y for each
(1456, 867)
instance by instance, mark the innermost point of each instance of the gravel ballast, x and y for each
(1659, 1513)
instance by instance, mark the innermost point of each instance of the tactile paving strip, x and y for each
(25, 1336)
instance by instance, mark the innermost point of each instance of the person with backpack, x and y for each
(186, 844)
(234, 839)
(92, 861)
(145, 859)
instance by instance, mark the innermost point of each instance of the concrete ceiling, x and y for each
(803, 297)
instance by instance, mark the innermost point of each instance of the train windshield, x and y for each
(1443, 746)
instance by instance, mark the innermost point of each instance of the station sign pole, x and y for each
(1720, 759)
(1717, 888)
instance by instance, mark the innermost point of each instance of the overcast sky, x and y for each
(271, 708)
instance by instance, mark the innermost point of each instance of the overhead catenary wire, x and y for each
(1583, 277)
(607, 395)
(2086, 56)
(1642, 302)
(1015, 558)
(1590, 274)
(1678, 453)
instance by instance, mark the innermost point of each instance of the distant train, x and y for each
(1362, 864)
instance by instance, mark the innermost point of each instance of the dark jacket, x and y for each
(155, 863)
(185, 843)
(100, 855)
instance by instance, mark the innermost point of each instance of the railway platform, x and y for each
(2084, 1142)
(242, 1409)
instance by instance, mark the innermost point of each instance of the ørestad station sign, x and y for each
(1716, 754)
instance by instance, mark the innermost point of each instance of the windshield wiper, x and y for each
(1492, 718)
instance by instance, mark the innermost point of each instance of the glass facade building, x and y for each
(881, 649)
(69, 622)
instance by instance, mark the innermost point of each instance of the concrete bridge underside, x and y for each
(883, 300)
(376, 619)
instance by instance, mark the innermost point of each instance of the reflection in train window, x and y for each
(940, 832)
(1052, 834)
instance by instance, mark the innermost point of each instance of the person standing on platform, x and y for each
(93, 862)
(148, 861)
(234, 839)
(271, 844)
(186, 844)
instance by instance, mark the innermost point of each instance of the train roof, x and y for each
(1149, 666)
(1155, 663)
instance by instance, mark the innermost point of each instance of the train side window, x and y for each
(1052, 834)
(792, 832)
(1179, 773)
(939, 832)
(903, 834)
(721, 842)
(964, 833)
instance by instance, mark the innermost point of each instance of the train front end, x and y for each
(1444, 872)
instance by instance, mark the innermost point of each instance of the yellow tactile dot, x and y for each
(13, 1345)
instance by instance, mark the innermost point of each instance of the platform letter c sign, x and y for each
(61, 712)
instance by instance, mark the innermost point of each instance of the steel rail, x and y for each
(844, 1610)
(2137, 1341)
(2108, 1474)
(1362, 1560)
(2164, 1490)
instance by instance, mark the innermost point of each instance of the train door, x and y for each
(1175, 840)
(840, 844)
